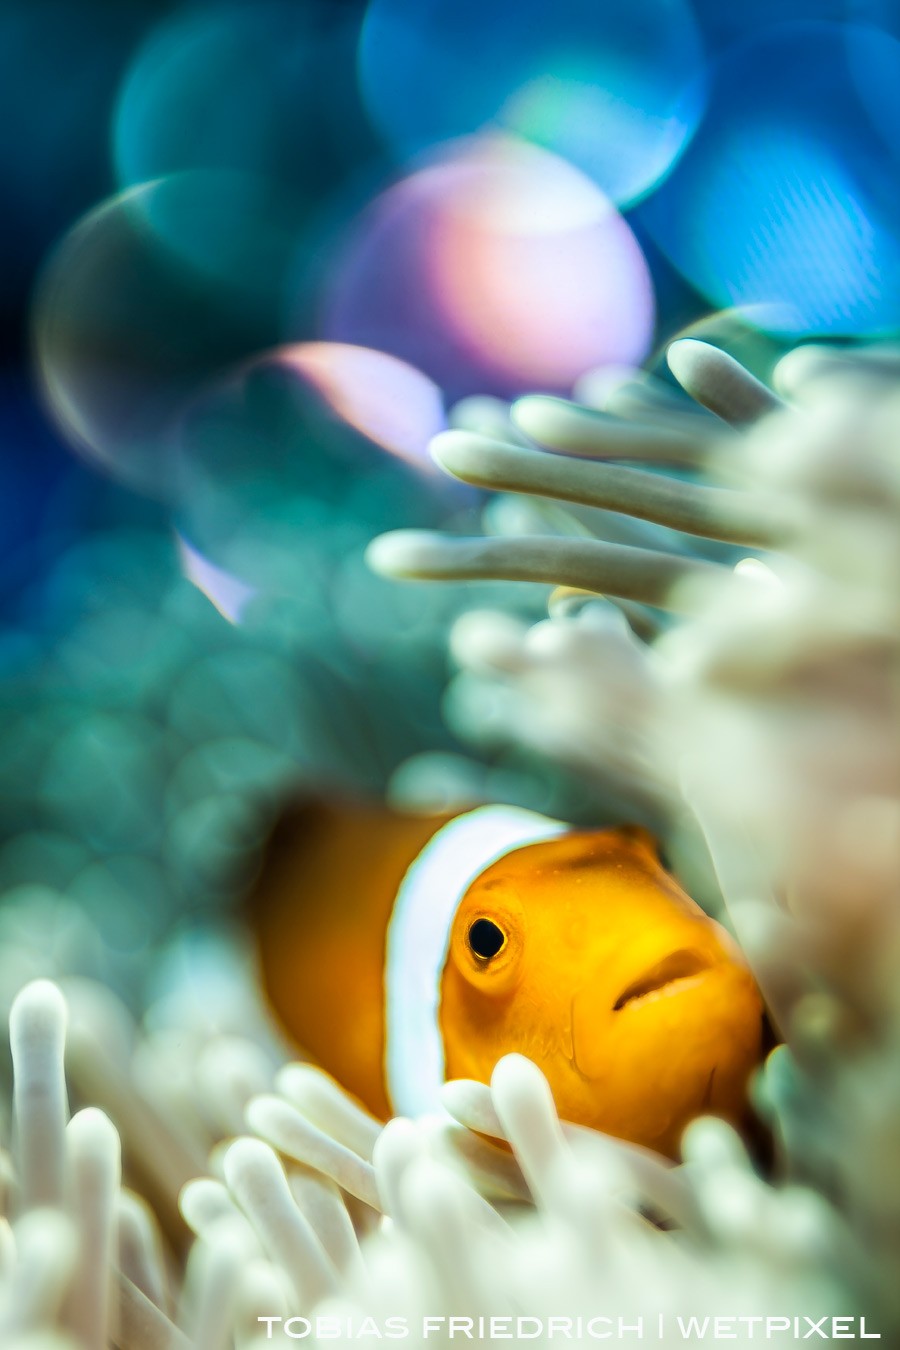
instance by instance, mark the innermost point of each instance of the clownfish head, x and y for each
(580, 951)
(402, 953)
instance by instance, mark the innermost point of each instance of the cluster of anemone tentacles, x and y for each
(761, 725)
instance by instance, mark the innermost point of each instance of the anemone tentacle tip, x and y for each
(397, 553)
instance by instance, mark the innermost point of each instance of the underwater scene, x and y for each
(449, 673)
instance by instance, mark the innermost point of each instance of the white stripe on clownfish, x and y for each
(418, 939)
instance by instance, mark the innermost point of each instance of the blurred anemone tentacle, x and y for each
(633, 573)
(718, 513)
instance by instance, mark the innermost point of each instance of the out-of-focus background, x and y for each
(253, 257)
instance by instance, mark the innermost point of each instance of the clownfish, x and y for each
(399, 952)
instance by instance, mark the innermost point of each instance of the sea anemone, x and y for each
(740, 688)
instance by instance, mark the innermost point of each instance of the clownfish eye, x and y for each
(486, 939)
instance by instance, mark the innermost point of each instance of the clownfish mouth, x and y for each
(680, 970)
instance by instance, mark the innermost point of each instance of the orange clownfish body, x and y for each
(401, 951)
